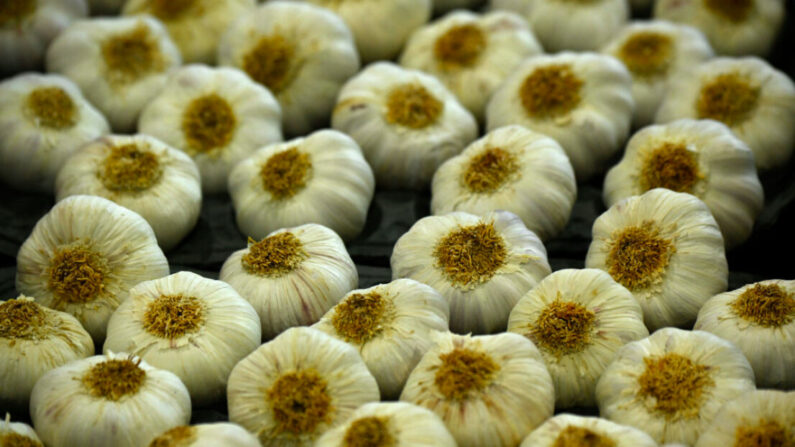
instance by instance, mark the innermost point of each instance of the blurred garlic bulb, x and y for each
(193, 24)
(17, 434)
(513, 169)
(195, 327)
(582, 100)
(389, 424)
(119, 63)
(578, 319)
(672, 383)
(406, 122)
(140, 173)
(302, 53)
(754, 99)
(757, 418)
(294, 388)
(655, 51)
(83, 257)
(580, 25)
(220, 434)
(442, 6)
(43, 120)
(667, 249)
(390, 325)
(471, 53)
(34, 340)
(482, 265)
(489, 390)
(114, 400)
(759, 319)
(702, 158)
(568, 430)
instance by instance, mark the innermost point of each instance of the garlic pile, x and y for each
(140, 173)
(220, 434)
(390, 325)
(43, 119)
(513, 169)
(568, 430)
(17, 434)
(578, 319)
(406, 122)
(757, 418)
(83, 257)
(482, 265)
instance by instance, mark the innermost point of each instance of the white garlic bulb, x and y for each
(568, 430)
(140, 173)
(219, 434)
(490, 390)
(442, 6)
(482, 265)
(322, 178)
(578, 319)
(471, 53)
(511, 168)
(390, 424)
(406, 122)
(757, 418)
(751, 97)
(672, 383)
(83, 257)
(294, 388)
(301, 52)
(702, 158)
(43, 120)
(582, 100)
(119, 63)
(114, 400)
(654, 52)
(17, 434)
(195, 327)
(667, 249)
(390, 325)
(760, 319)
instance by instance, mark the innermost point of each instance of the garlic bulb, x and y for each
(389, 424)
(578, 319)
(302, 53)
(759, 319)
(390, 325)
(193, 24)
(116, 400)
(322, 178)
(667, 249)
(34, 340)
(582, 100)
(140, 173)
(513, 169)
(489, 390)
(17, 434)
(28, 26)
(654, 52)
(580, 25)
(471, 53)
(568, 430)
(757, 418)
(219, 434)
(702, 158)
(294, 388)
(754, 99)
(43, 119)
(406, 122)
(442, 6)
(195, 327)
(83, 257)
(734, 28)
(119, 63)
(672, 383)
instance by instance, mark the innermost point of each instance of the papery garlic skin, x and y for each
(511, 168)
(578, 319)
(43, 120)
(301, 52)
(111, 247)
(390, 325)
(593, 429)
(747, 94)
(17, 432)
(406, 122)
(702, 158)
(759, 417)
(582, 100)
(67, 413)
(471, 53)
(119, 63)
(219, 434)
